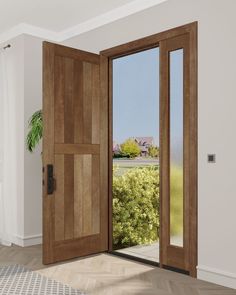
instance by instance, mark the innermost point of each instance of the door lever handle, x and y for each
(50, 180)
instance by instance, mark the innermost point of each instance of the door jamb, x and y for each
(106, 91)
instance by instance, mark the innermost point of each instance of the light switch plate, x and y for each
(211, 158)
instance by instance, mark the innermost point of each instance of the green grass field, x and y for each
(122, 166)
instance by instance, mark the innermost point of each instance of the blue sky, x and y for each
(136, 96)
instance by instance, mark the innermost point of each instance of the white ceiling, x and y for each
(62, 19)
(55, 15)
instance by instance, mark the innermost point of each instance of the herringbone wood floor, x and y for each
(110, 275)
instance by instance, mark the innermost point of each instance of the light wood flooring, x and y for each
(110, 275)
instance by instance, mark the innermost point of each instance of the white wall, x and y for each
(15, 74)
(32, 162)
(24, 62)
(217, 120)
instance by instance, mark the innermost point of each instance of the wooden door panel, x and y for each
(173, 255)
(68, 196)
(59, 198)
(95, 195)
(93, 149)
(75, 218)
(78, 195)
(76, 101)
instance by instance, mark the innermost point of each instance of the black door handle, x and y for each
(50, 180)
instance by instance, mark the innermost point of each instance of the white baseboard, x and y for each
(216, 276)
(27, 240)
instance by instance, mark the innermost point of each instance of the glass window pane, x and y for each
(176, 147)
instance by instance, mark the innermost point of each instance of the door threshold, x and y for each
(135, 258)
(171, 268)
(148, 262)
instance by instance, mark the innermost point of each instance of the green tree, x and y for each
(130, 148)
(153, 151)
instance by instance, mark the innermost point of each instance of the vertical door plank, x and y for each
(87, 197)
(78, 102)
(59, 99)
(95, 195)
(78, 196)
(48, 149)
(59, 198)
(87, 102)
(69, 196)
(187, 156)
(193, 179)
(95, 105)
(164, 153)
(69, 102)
(69, 159)
(104, 142)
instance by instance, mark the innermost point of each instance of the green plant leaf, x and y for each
(35, 131)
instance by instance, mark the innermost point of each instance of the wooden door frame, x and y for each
(106, 92)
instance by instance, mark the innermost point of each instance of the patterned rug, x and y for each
(18, 280)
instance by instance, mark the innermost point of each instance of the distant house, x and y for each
(116, 148)
(144, 143)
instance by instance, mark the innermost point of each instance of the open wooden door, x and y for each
(75, 147)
